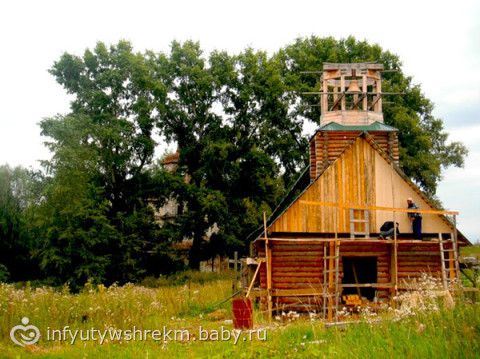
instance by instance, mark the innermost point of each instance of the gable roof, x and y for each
(295, 192)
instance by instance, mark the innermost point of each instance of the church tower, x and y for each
(351, 104)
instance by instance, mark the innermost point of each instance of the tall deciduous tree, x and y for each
(424, 146)
(228, 119)
(96, 219)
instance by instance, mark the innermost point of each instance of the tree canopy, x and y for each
(239, 123)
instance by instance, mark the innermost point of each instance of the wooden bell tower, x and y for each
(351, 104)
(351, 94)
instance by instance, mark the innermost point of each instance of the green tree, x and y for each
(72, 221)
(96, 219)
(20, 193)
(230, 127)
(424, 146)
(115, 88)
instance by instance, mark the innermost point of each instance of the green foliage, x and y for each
(96, 223)
(115, 92)
(19, 193)
(424, 146)
(236, 144)
(238, 121)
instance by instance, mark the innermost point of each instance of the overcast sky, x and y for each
(438, 42)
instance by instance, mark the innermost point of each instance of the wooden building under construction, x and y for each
(323, 241)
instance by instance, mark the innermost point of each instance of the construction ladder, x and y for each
(331, 279)
(449, 274)
(365, 221)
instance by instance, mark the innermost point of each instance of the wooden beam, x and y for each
(364, 89)
(374, 102)
(356, 280)
(324, 97)
(360, 99)
(268, 257)
(366, 285)
(451, 265)
(349, 240)
(297, 292)
(454, 238)
(331, 287)
(376, 208)
(253, 279)
(337, 101)
(342, 90)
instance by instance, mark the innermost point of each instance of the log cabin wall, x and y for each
(327, 146)
(415, 259)
(299, 267)
(295, 266)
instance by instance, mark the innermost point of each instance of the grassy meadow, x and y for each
(193, 300)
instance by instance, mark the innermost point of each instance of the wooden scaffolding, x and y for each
(331, 289)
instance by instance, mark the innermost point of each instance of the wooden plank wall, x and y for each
(385, 197)
(351, 179)
(360, 176)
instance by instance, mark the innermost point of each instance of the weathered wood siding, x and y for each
(360, 176)
(350, 179)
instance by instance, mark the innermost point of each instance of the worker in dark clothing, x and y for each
(416, 219)
(387, 230)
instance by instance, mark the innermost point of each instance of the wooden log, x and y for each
(360, 254)
(298, 275)
(296, 268)
(376, 208)
(306, 280)
(299, 254)
(293, 285)
(295, 263)
(299, 292)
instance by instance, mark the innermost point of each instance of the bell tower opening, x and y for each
(351, 94)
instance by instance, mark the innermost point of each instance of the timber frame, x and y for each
(439, 255)
(333, 212)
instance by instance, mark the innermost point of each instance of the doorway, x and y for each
(359, 270)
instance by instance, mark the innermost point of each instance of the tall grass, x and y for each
(471, 251)
(101, 307)
(429, 331)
